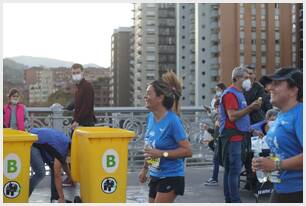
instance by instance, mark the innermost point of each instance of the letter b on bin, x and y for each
(99, 159)
(16, 165)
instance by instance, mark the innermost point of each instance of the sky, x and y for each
(74, 32)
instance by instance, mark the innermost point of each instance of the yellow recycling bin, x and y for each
(99, 160)
(16, 165)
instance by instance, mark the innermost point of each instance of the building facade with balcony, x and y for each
(212, 39)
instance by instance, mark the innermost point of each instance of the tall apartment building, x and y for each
(212, 39)
(120, 70)
(102, 91)
(154, 45)
(264, 35)
(197, 51)
(299, 35)
(185, 48)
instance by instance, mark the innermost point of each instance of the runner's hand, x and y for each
(142, 175)
(153, 153)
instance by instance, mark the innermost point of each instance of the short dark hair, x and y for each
(264, 80)
(13, 91)
(221, 86)
(296, 80)
(76, 66)
(162, 88)
(249, 66)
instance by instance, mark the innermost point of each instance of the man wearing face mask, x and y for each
(234, 128)
(84, 99)
(252, 91)
(219, 88)
(15, 114)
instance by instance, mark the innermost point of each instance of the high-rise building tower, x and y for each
(120, 68)
(154, 45)
(212, 39)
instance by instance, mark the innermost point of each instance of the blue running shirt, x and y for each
(166, 135)
(285, 139)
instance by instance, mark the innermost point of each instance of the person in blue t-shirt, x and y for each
(52, 148)
(166, 145)
(285, 137)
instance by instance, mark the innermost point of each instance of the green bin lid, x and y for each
(12, 135)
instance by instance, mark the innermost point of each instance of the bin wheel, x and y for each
(77, 199)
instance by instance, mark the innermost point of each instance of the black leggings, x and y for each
(293, 197)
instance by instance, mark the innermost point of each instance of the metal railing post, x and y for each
(57, 116)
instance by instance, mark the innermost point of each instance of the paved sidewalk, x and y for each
(195, 191)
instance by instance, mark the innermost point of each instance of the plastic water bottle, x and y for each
(152, 162)
(256, 148)
(261, 175)
(274, 176)
(265, 149)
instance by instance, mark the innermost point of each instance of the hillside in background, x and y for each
(30, 61)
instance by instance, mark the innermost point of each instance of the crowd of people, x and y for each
(270, 108)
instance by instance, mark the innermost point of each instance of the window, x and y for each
(263, 60)
(150, 30)
(150, 58)
(241, 59)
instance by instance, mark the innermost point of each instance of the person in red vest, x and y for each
(15, 114)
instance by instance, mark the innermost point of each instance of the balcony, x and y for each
(131, 118)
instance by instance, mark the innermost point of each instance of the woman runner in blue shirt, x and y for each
(285, 137)
(166, 146)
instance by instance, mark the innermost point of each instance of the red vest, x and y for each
(20, 109)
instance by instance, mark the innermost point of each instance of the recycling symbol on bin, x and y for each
(109, 185)
(11, 189)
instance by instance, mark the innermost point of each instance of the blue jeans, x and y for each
(38, 166)
(216, 165)
(232, 170)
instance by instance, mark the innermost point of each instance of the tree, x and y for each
(60, 96)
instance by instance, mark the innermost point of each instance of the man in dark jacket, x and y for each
(255, 91)
(84, 99)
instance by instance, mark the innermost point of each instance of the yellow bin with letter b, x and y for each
(99, 160)
(16, 165)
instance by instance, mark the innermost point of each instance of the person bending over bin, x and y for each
(52, 148)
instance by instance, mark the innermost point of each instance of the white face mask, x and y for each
(270, 123)
(14, 101)
(77, 77)
(218, 93)
(246, 84)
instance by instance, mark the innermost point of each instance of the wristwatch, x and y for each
(165, 154)
(278, 164)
